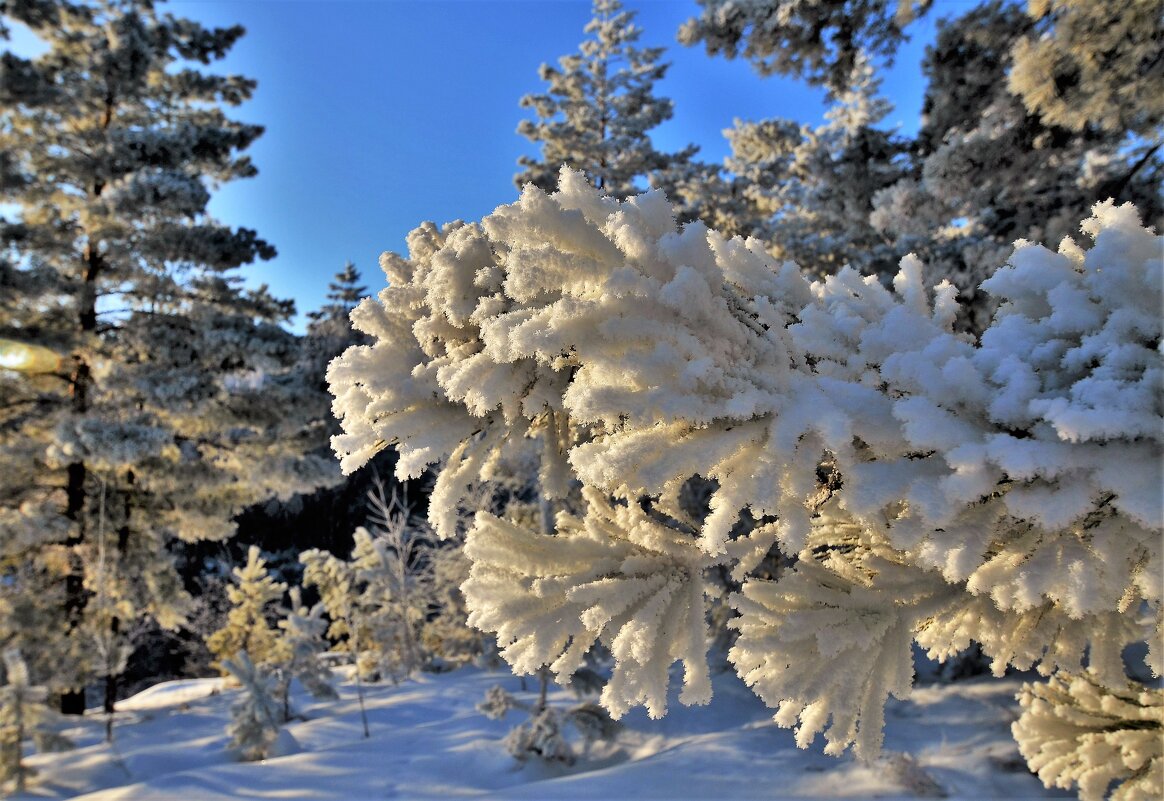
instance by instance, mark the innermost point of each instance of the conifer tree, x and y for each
(821, 41)
(23, 714)
(808, 193)
(329, 331)
(926, 486)
(343, 293)
(174, 382)
(301, 643)
(254, 723)
(1074, 730)
(1087, 64)
(1032, 113)
(380, 598)
(544, 734)
(247, 627)
(990, 166)
(598, 108)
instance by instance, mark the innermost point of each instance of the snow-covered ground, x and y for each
(428, 741)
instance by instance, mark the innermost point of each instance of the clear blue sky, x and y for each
(381, 115)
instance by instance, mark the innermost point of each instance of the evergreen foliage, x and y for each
(544, 734)
(991, 166)
(175, 398)
(1030, 117)
(329, 332)
(808, 193)
(302, 642)
(1092, 65)
(822, 41)
(254, 725)
(380, 599)
(247, 625)
(1074, 730)
(23, 714)
(925, 485)
(598, 109)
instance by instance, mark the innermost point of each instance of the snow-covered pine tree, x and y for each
(598, 108)
(991, 166)
(332, 578)
(546, 734)
(1076, 731)
(393, 575)
(1092, 65)
(23, 714)
(174, 380)
(329, 331)
(447, 637)
(248, 628)
(926, 486)
(808, 192)
(1031, 116)
(821, 41)
(302, 643)
(401, 574)
(254, 725)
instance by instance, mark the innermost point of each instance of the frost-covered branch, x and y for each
(927, 485)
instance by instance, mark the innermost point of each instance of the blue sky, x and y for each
(381, 115)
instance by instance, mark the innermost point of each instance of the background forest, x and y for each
(849, 407)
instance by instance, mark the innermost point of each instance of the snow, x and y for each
(428, 741)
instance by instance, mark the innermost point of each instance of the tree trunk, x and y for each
(111, 678)
(73, 701)
(543, 687)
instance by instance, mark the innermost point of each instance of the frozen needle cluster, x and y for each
(926, 485)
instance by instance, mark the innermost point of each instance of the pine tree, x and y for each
(822, 41)
(544, 735)
(247, 627)
(598, 109)
(174, 382)
(1074, 730)
(447, 635)
(254, 724)
(991, 167)
(808, 193)
(23, 714)
(1033, 113)
(329, 330)
(380, 598)
(925, 486)
(301, 644)
(1093, 65)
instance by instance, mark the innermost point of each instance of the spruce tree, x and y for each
(343, 293)
(598, 108)
(169, 412)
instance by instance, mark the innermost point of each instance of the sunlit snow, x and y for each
(429, 742)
